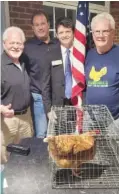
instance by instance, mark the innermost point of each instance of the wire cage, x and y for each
(83, 148)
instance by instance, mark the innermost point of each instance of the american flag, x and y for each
(79, 50)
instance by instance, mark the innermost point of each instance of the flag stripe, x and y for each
(78, 67)
(79, 36)
(78, 60)
(78, 55)
(78, 75)
(79, 46)
(79, 51)
(81, 26)
(79, 89)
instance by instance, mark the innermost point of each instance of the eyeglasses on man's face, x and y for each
(101, 32)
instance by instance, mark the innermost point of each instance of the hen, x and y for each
(70, 151)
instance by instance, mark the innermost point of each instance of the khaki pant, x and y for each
(13, 130)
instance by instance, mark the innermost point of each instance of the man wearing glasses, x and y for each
(102, 65)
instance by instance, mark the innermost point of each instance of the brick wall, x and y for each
(114, 10)
(21, 12)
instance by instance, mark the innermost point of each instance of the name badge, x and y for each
(57, 62)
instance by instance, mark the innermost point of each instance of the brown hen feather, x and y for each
(70, 151)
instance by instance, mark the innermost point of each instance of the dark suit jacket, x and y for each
(53, 83)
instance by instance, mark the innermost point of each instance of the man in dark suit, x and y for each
(57, 79)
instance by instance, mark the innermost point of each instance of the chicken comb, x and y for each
(97, 131)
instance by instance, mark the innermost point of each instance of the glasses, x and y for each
(102, 32)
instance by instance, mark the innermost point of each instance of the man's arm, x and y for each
(47, 93)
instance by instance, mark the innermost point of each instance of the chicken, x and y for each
(97, 75)
(70, 151)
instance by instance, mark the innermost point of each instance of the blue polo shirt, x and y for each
(102, 79)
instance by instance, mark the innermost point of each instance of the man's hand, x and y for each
(7, 111)
(52, 116)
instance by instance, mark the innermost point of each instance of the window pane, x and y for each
(49, 11)
(92, 15)
(98, 2)
(59, 12)
(72, 15)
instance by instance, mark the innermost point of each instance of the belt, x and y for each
(20, 112)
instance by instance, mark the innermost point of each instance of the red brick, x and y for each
(37, 2)
(28, 33)
(25, 15)
(115, 12)
(18, 9)
(24, 3)
(14, 15)
(13, 3)
(18, 21)
(28, 21)
(25, 27)
(36, 6)
(30, 10)
(114, 6)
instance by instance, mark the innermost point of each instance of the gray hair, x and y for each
(103, 15)
(13, 29)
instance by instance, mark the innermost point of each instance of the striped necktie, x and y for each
(68, 75)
